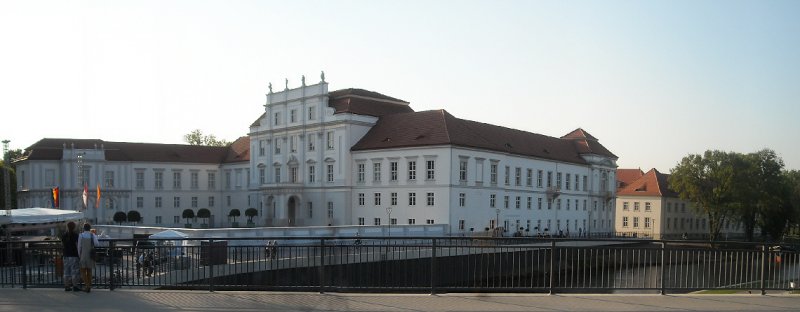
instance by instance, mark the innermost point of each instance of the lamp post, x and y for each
(497, 218)
(389, 212)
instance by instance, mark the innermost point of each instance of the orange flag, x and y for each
(97, 202)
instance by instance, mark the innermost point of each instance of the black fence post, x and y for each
(110, 258)
(211, 252)
(552, 266)
(433, 266)
(25, 266)
(663, 267)
(322, 266)
(763, 269)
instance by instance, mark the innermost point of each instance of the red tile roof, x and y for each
(652, 183)
(438, 127)
(52, 149)
(627, 176)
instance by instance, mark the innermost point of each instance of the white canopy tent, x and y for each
(28, 219)
(175, 238)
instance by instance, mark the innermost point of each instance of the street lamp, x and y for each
(497, 218)
(389, 212)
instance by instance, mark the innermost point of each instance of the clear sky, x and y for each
(653, 80)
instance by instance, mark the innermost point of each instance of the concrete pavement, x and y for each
(15, 299)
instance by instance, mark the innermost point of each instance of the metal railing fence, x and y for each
(416, 264)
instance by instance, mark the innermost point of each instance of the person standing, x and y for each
(87, 241)
(70, 243)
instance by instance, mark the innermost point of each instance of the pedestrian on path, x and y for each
(70, 261)
(87, 241)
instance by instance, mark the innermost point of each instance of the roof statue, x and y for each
(322, 76)
(287, 83)
(303, 80)
(270, 87)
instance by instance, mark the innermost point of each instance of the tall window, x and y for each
(393, 171)
(430, 166)
(412, 199)
(361, 199)
(277, 146)
(376, 172)
(529, 177)
(462, 171)
(277, 174)
(330, 211)
(394, 199)
(539, 203)
(194, 201)
(530, 202)
(312, 113)
(377, 197)
(330, 172)
(462, 199)
(158, 201)
(312, 174)
(492, 200)
(293, 144)
(195, 180)
(276, 119)
(585, 183)
(330, 140)
(293, 116)
(212, 180)
(625, 222)
(293, 174)
(311, 141)
(176, 202)
(262, 175)
(549, 179)
(109, 179)
(635, 222)
(228, 184)
(507, 178)
(377, 221)
(430, 199)
(310, 210)
(576, 183)
(505, 201)
(412, 170)
(568, 179)
(140, 202)
(539, 174)
(517, 203)
(493, 173)
(361, 172)
(517, 176)
(558, 180)
(647, 206)
(159, 180)
(139, 180)
(646, 222)
(260, 147)
(636, 206)
(360, 220)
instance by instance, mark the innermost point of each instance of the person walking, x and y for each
(87, 241)
(70, 261)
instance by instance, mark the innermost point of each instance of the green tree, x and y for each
(204, 214)
(196, 137)
(250, 213)
(7, 167)
(708, 182)
(791, 179)
(234, 213)
(759, 188)
(120, 217)
(134, 216)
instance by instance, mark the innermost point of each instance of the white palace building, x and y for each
(345, 157)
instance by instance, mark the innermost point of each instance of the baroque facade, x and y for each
(345, 157)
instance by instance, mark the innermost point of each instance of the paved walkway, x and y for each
(165, 300)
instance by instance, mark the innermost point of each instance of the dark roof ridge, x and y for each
(366, 94)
